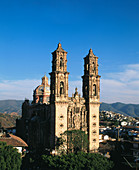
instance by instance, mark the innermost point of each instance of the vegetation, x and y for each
(10, 159)
(9, 106)
(7, 120)
(76, 140)
(78, 161)
(75, 159)
(126, 109)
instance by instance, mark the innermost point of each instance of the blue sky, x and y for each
(31, 29)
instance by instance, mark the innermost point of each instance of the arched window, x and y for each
(94, 116)
(87, 67)
(94, 90)
(53, 89)
(94, 140)
(41, 99)
(94, 132)
(86, 90)
(61, 117)
(61, 125)
(61, 62)
(93, 66)
(61, 87)
(94, 124)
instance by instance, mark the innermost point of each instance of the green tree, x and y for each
(10, 159)
(79, 161)
(74, 140)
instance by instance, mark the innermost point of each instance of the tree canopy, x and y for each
(78, 161)
(75, 140)
(10, 159)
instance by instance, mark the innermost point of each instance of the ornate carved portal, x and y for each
(77, 118)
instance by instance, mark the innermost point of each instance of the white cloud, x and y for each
(115, 91)
(133, 66)
(117, 87)
(121, 86)
(129, 73)
(17, 89)
(21, 89)
(73, 85)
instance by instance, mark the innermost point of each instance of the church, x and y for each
(52, 111)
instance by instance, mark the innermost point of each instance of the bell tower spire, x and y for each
(91, 94)
(59, 75)
(91, 79)
(59, 93)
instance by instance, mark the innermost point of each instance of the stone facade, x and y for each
(46, 118)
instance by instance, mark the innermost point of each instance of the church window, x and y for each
(61, 62)
(94, 124)
(87, 67)
(61, 87)
(94, 132)
(61, 125)
(61, 116)
(53, 89)
(41, 99)
(94, 140)
(94, 116)
(94, 90)
(93, 66)
(86, 90)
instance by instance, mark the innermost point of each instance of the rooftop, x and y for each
(13, 140)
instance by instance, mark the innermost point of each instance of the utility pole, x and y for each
(118, 135)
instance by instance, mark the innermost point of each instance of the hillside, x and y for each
(14, 107)
(126, 109)
(11, 106)
(7, 120)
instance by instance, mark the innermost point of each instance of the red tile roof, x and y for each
(13, 140)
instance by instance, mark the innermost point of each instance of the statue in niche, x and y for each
(76, 121)
(61, 88)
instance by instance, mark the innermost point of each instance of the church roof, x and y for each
(59, 48)
(39, 90)
(13, 140)
(91, 51)
(90, 54)
(45, 77)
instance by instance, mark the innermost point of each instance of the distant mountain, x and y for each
(7, 120)
(11, 106)
(14, 106)
(126, 109)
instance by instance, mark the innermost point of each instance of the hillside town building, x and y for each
(53, 112)
(13, 140)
